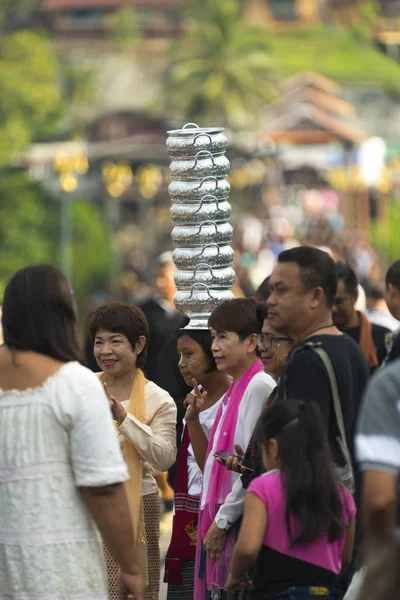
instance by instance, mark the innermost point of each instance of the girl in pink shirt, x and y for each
(298, 524)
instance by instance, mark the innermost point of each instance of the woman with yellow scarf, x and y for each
(145, 417)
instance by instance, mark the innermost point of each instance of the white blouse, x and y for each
(251, 406)
(54, 439)
(195, 476)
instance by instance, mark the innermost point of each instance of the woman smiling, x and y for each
(145, 417)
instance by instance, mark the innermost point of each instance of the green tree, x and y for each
(220, 71)
(30, 96)
(30, 233)
(125, 26)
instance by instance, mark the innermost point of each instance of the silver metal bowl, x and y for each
(199, 299)
(204, 233)
(199, 166)
(214, 255)
(191, 143)
(209, 209)
(193, 191)
(202, 273)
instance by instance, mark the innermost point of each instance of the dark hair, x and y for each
(311, 490)
(393, 275)
(262, 313)
(203, 338)
(264, 291)
(39, 314)
(348, 276)
(316, 269)
(238, 315)
(120, 317)
(373, 292)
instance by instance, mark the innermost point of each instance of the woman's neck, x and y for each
(241, 370)
(122, 381)
(215, 384)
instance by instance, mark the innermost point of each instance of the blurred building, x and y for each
(92, 19)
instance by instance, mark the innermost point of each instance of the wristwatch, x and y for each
(222, 523)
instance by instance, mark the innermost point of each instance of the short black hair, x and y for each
(203, 338)
(348, 276)
(238, 315)
(120, 317)
(262, 313)
(316, 269)
(373, 292)
(263, 291)
(393, 275)
(39, 314)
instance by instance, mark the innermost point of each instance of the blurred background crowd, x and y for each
(308, 92)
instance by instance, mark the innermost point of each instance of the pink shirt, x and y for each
(321, 552)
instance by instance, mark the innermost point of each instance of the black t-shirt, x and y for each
(163, 326)
(394, 344)
(379, 335)
(305, 378)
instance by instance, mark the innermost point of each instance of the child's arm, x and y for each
(247, 548)
(348, 547)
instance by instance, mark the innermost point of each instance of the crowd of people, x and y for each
(277, 428)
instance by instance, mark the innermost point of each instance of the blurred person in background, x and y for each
(376, 308)
(56, 476)
(164, 321)
(145, 418)
(392, 298)
(163, 318)
(370, 337)
(198, 368)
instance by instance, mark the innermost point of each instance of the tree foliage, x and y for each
(30, 228)
(221, 69)
(30, 96)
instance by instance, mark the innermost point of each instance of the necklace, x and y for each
(318, 329)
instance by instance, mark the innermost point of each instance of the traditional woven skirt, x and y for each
(152, 515)
(185, 589)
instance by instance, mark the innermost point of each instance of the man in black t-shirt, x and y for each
(370, 337)
(393, 302)
(303, 288)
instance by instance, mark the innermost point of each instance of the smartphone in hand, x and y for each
(223, 456)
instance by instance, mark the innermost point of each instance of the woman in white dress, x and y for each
(59, 467)
(145, 417)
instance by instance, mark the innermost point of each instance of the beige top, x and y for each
(155, 440)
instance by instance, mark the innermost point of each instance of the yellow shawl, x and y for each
(133, 487)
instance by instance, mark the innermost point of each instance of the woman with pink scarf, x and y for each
(234, 330)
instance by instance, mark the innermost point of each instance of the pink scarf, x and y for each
(220, 485)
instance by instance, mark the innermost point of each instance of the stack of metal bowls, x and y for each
(200, 212)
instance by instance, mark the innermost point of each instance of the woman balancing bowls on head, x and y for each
(234, 331)
(198, 368)
(145, 417)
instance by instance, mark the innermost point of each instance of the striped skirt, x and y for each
(152, 515)
(185, 589)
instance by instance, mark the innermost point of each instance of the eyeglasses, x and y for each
(266, 339)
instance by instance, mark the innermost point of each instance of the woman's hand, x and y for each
(214, 542)
(131, 585)
(235, 584)
(232, 462)
(118, 411)
(195, 402)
